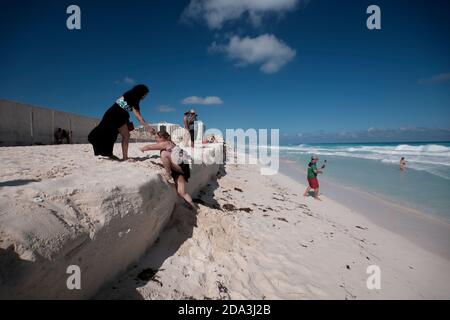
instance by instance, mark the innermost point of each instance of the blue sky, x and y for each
(300, 66)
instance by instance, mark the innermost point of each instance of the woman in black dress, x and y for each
(116, 120)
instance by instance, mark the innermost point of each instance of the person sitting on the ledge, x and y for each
(179, 170)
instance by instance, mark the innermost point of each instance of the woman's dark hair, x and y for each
(138, 91)
(164, 135)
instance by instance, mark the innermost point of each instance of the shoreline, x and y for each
(257, 237)
(430, 231)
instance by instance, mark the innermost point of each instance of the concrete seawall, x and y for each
(98, 215)
(23, 124)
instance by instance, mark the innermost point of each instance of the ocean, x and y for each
(374, 168)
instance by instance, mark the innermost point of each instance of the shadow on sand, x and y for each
(16, 183)
(13, 269)
(206, 195)
(140, 159)
(178, 230)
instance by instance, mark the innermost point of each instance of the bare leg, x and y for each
(168, 165)
(316, 194)
(181, 184)
(166, 161)
(123, 130)
(307, 191)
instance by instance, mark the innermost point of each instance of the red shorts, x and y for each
(313, 183)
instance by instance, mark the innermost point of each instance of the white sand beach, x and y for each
(254, 237)
(257, 237)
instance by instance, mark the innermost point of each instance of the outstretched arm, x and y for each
(139, 117)
(156, 146)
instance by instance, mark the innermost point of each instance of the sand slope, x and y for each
(257, 237)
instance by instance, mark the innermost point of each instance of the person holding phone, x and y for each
(313, 182)
(189, 119)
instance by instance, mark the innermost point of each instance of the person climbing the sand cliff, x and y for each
(116, 120)
(312, 173)
(175, 162)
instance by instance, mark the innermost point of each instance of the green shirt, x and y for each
(311, 173)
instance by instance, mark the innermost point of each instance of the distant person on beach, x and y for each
(59, 136)
(65, 136)
(313, 182)
(62, 135)
(402, 164)
(116, 120)
(175, 163)
(189, 119)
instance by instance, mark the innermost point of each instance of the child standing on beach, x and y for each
(312, 178)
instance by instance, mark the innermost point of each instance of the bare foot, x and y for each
(305, 194)
(317, 198)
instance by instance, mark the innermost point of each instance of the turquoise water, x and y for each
(372, 167)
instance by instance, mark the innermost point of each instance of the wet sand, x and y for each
(430, 232)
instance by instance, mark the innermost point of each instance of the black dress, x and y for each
(186, 172)
(105, 134)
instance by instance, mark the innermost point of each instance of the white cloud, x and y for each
(126, 80)
(202, 101)
(217, 12)
(436, 78)
(165, 109)
(266, 50)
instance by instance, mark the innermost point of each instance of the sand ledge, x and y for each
(60, 206)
